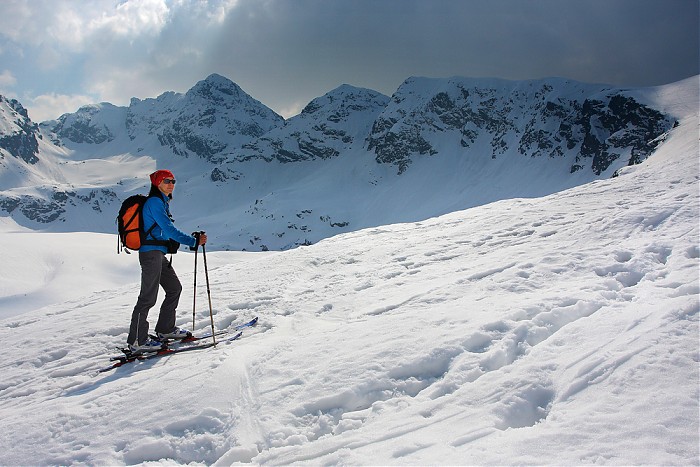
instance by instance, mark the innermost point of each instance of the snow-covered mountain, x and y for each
(352, 159)
(329, 126)
(561, 330)
(210, 121)
(590, 126)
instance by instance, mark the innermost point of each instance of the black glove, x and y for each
(196, 236)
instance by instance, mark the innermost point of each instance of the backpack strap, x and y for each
(148, 232)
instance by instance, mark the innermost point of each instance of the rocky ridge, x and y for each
(593, 125)
(274, 173)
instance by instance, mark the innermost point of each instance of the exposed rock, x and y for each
(549, 118)
(18, 134)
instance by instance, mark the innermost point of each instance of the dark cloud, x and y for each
(287, 52)
(283, 50)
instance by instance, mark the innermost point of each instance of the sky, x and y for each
(56, 55)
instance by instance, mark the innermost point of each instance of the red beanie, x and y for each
(159, 175)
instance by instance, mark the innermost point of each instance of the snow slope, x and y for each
(557, 330)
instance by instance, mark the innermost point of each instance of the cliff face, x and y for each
(18, 134)
(590, 125)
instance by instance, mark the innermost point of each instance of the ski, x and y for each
(221, 332)
(249, 324)
(129, 358)
(174, 346)
(190, 338)
(236, 328)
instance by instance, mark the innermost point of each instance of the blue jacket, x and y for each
(156, 211)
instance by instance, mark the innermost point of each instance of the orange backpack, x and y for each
(130, 225)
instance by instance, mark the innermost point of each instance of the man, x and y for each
(156, 269)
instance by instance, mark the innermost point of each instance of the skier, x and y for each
(157, 270)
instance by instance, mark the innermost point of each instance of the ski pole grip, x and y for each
(196, 235)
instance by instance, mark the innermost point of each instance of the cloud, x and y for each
(50, 106)
(15, 19)
(283, 51)
(74, 24)
(292, 109)
(166, 54)
(287, 52)
(7, 80)
(112, 49)
(133, 18)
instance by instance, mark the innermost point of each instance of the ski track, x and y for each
(532, 331)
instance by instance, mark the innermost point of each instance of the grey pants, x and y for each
(155, 270)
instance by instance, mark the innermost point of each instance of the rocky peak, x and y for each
(216, 88)
(326, 127)
(212, 120)
(345, 100)
(18, 134)
(91, 124)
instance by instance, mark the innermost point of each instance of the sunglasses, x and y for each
(169, 181)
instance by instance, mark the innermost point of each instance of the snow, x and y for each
(41, 269)
(555, 330)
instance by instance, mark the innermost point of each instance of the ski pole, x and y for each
(211, 313)
(194, 290)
